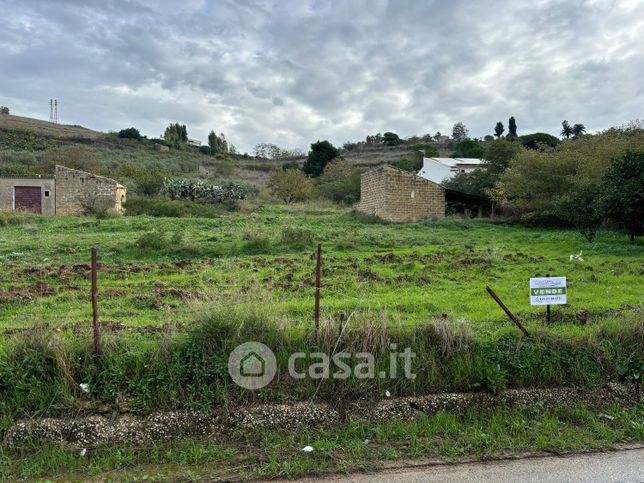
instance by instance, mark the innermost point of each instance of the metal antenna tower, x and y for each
(51, 110)
(56, 111)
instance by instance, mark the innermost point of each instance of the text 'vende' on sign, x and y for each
(548, 291)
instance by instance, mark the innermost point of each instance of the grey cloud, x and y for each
(296, 71)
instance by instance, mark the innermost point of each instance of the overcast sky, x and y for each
(292, 72)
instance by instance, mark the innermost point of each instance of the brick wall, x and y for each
(74, 186)
(400, 196)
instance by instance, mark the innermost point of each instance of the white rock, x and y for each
(308, 449)
(83, 452)
(387, 393)
(84, 387)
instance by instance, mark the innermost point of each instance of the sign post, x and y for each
(548, 291)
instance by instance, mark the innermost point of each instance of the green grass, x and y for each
(413, 272)
(188, 290)
(341, 447)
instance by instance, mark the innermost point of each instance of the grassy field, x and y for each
(176, 295)
(157, 271)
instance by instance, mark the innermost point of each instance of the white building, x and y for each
(439, 169)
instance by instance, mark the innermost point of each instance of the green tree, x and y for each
(460, 132)
(512, 128)
(130, 133)
(4, 110)
(623, 192)
(467, 148)
(340, 182)
(578, 130)
(291, 185)
(536, 180)
(498, 155)
(581, 208)
(539, 139)
(217, 144)
(391, 139)
(498, 129)
(176, 133)
(566, 130)
(320, 154)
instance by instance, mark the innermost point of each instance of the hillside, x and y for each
(28, 146)
(45, 128)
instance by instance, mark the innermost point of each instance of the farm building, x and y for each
(400, 196)
(68, 192)
(439, 169)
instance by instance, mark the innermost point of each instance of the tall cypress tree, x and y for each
(512, 128)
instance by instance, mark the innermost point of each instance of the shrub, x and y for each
(291, 185)
(4, 110)
(201, 190)
(96, 205)
(130, 133)
(581, 208)
(623, 193)
(297, 237)
(340, 182)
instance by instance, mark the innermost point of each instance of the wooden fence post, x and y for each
(513, 317)
(96, 325)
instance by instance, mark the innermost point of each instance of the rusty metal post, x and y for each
(316, 314)
(513, 317)
(96, 326)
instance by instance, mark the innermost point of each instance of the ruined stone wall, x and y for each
(74, 187)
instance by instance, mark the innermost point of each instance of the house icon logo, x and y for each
(252, 365)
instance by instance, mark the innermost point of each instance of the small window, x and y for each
(82, 180)
(46, 194)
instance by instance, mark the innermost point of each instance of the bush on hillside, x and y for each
(130, 133)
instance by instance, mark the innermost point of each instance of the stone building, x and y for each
(400, 196)
(68, 192)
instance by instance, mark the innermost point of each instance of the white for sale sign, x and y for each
(548, 291)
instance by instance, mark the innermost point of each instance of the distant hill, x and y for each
(45, 128)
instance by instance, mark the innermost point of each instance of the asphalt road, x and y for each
(618, 466)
